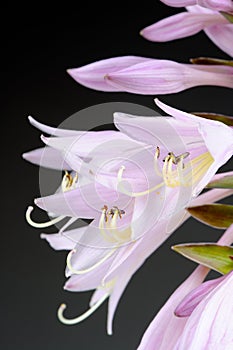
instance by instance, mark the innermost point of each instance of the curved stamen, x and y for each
(41, 224)
(82, 317)
(93, 267)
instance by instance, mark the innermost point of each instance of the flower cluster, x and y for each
(134, 185)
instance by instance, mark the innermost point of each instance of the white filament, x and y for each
(93, 267)
(41, 224)
(81, 317)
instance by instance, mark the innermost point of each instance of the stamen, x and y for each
(156, 157)
(93, 267)
(135, 194)
(68, 181)
(41, 224)
(120, 174)
(81, 317)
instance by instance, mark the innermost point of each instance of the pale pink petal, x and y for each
(52, 130)
(66, 240)
(163, 77)
(218, 5)
(188, 304)
(89, 280)
(222, 36)
(48, 158)
(84, 201)
(166, 132)
(180, 26)
(166, 328)
(221, 152)
(179, 3)
(89, 254)
(210, 325)
(92, 75)
(119, 287)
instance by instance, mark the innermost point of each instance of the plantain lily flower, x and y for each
(218, 5)
(147, 76)
(204, 328)
(210, 311)
(117, 179)
(216, 26)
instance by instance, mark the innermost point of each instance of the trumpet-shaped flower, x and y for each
(169, 332)
(143, 75)
(153, 164)
(210, 324)
(112, 269)
(197, 18)
(165, 77)
(218, 5)
(93, 75)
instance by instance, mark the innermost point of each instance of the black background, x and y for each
(37, 46)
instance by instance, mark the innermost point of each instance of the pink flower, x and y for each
(210, 325)
(120, 181)
(142, 75)
(165, 77)
(218, 5)
(197, 18)
(169, 332)
(109, 271)
(93, 75)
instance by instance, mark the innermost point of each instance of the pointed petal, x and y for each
(179, 3)
(48, 158)
(66, 240)
(87, 143)
(115, 296)
(189, 303)
(84, 201)
(166, 132)
(180, 26)
(161, 334)
(93, 75)
(213, 316)
(51, 130)
(208, 129)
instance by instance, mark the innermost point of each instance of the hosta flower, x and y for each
(109, 271)
(219, 5)
(165, 77)
(93, 75)
(197, 18)
(169, 332)
(210, 324)
(118, 182)
(199, 136)
(150, 76)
